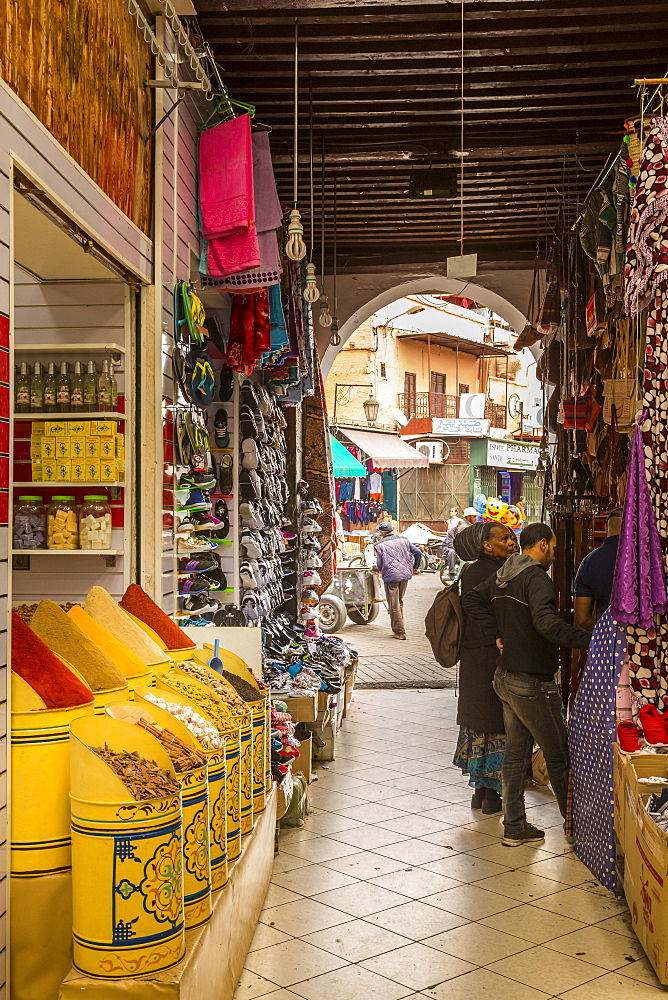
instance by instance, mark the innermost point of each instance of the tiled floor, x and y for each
(395, 890)
(384, 662)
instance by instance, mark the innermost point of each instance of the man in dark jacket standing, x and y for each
(396, 559)
(520, 600)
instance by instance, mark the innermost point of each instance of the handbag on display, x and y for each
(580, 413)
(530, 335)
(622, 391)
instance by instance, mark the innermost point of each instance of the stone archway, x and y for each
(360, 296)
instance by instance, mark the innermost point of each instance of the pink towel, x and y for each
(226, 179)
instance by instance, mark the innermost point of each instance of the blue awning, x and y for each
(345, 465)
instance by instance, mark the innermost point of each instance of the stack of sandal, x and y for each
(266, 578)
(203, 521)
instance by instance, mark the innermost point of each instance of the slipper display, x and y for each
(226, 475)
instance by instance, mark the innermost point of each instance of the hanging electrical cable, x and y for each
(325, 317)
(295, 247)
(461, 144)
(334, 337)
(311, 292)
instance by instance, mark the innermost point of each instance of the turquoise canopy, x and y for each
(345, 465)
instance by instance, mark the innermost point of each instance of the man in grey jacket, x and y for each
(518, 604)
(397, 559)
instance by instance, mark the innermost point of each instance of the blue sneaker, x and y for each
(196, 501)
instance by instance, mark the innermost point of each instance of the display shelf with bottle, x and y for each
(70, 342)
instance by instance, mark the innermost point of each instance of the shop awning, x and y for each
(388, 451)
(345, 465)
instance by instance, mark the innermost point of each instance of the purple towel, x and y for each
(639, 586)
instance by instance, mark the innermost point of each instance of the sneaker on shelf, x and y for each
(193, 585)
(185, 527)
(310, 597)
(197, 479)
(628, 738)
(310, 527)
(313, 562)
(194, 621)
(216, 579)
(195, 604)
(197, 500)
(311, 578)
(658, 803)
(205, 522)
(190, 543)
(653, 726)
(529, 834)
(221, 511)
(197, 564)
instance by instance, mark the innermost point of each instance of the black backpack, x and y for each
(444, 626)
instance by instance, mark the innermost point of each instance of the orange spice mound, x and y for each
(137, 602)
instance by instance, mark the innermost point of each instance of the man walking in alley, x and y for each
(519, 601)
(397, 559)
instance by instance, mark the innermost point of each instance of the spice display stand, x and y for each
(215, 952)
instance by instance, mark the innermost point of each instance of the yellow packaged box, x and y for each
(55, 428)
(120, 446)
(37, 474)
(107, 447)
(78, 471)
(38, 428)
(102, 428)
(63, 470)
(77, 447)
(120, 470)
(92, 447)
(78, 428)
(49, 471)
(92, 466)
(35, 452)
(63, 448)
(107, 470)
(48, 447)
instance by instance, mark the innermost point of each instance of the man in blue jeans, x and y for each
(397, 559)
(519, 604)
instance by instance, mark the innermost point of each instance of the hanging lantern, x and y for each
(334, 337)
(295, 247)
(325, 317)
(311, 293)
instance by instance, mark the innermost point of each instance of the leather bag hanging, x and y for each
(530, 335)
(623, 391)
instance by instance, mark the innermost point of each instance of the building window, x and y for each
(437, 383)
(463, 388)
(410, 383)
(383, 372)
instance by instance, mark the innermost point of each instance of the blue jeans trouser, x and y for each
(533, 712)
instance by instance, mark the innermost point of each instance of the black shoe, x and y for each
(198, 564)
(478, 798)
(492, 802)
(528, 835)
(198, 605)
(195, 479)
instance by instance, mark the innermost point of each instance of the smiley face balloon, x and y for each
(496, 510)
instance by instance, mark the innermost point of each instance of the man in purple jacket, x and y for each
(396, 559)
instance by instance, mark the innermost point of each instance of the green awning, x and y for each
(345, 465)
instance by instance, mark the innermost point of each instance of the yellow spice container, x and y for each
(127, 857)
(40, 770)
(195, 807)
(217, 776)
(228, 726)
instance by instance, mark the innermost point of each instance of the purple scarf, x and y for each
(639, 586)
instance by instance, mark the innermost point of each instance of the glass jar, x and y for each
(62, 524)
(95, 523)
(30, 523)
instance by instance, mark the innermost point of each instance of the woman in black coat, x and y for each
(481, 745)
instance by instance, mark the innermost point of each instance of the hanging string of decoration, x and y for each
(295, 247)
(325, 317)
(334, 337)
(461, 145)
(311, 292)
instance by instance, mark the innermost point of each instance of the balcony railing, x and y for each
(439, 404)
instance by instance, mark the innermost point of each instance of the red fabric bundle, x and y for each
(137, 602)
(46, 674)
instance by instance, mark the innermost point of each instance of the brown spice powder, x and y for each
(57, 630)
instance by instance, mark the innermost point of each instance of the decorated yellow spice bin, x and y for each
(190, 765)
(213, 709)
(127, 852)
(188, 714)
(240, 717)
(240, 677)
